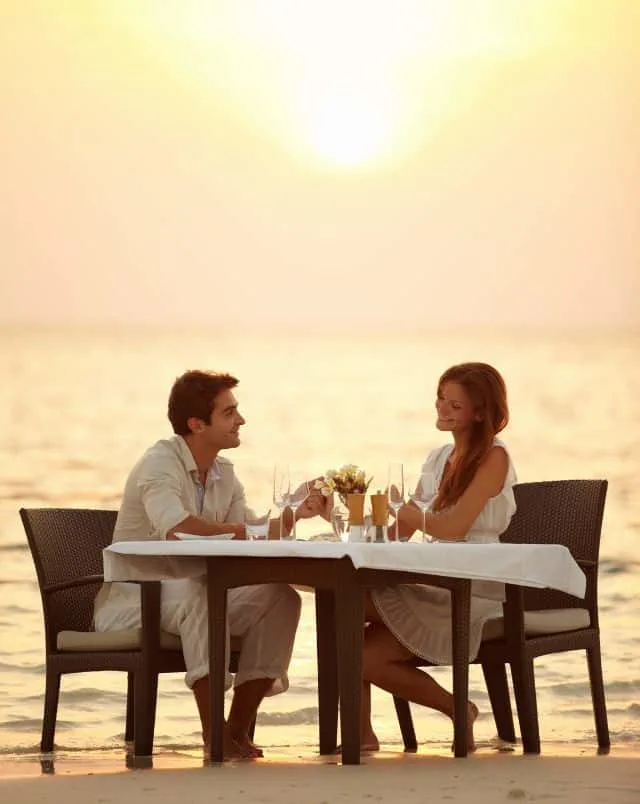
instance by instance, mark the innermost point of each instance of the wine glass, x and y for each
(395, 490)
(281, 488)
(257, 527)
(423, 496)
(298, 493)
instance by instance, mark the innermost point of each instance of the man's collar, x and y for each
(190, 462)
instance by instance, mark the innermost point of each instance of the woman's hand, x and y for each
(316, 503)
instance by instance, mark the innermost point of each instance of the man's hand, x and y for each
(201, 527)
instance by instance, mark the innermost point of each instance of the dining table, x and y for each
(339, 574)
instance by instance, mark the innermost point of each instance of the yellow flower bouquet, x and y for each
(348, 479)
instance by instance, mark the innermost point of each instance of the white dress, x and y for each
(420, 616)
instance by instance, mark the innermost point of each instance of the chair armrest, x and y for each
(84, 581)
(590, 569)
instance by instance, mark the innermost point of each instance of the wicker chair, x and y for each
(542, 621)
(66, 546)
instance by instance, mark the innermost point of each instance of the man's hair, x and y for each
(194, 395)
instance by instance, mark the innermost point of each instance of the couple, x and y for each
(182, 484)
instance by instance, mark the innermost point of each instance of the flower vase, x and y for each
(347, 518)
(356, 529)
(378, 532)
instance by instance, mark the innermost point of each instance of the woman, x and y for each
(474, 503)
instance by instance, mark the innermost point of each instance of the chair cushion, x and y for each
(128, 639)
(548, 621)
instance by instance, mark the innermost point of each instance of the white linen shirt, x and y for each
(162, 490)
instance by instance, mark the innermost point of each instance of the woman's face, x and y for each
(454, 409)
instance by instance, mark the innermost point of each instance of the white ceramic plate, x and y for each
(185, 537)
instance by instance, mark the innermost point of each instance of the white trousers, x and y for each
(265, 618)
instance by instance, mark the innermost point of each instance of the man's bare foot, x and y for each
(247, 744)
(472, 714)
(367, 746)
(232, 749)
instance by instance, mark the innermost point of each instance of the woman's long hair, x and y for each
(488, 395)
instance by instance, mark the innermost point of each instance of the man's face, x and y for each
(224, 430)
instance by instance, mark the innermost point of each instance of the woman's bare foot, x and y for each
(472, 714)
(369, 741)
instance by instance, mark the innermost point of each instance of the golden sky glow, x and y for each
(345, 82)
(482, 154)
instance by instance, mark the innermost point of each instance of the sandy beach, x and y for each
(483, 778)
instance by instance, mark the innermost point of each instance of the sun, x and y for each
(345, 127)
(342, 83)
(348, 133)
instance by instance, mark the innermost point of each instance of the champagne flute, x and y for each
(298, 493)
(281, 488)
(395, 490)
(423, 497)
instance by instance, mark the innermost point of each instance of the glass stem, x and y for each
(424, 525)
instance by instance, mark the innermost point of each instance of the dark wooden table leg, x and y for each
(327, 670)
(217, 600)
(349, 603)
(460, 616)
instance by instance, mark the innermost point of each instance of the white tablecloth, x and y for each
(537, 565)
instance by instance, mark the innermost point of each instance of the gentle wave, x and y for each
(16, 547)
(577, 689)
(33, 669)
(60, 749)
(91, 695)
(612, 566)
(587, 711)
(32, 724)
(624, 736)
(19, 582)
(625, 687)
(632, 709)
(616, 598)
(297, 717)
(28, 494)
(13, 608)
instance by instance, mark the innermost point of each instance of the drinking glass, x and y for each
(281, 488)
(395, 489)
(298, 493)
(423, 496)
(257, 527)
(340, 521)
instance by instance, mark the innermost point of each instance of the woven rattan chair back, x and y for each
(567, 512)
(66, 544)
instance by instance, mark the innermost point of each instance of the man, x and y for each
(181, 484)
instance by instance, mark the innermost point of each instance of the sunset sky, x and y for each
(293, 162)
